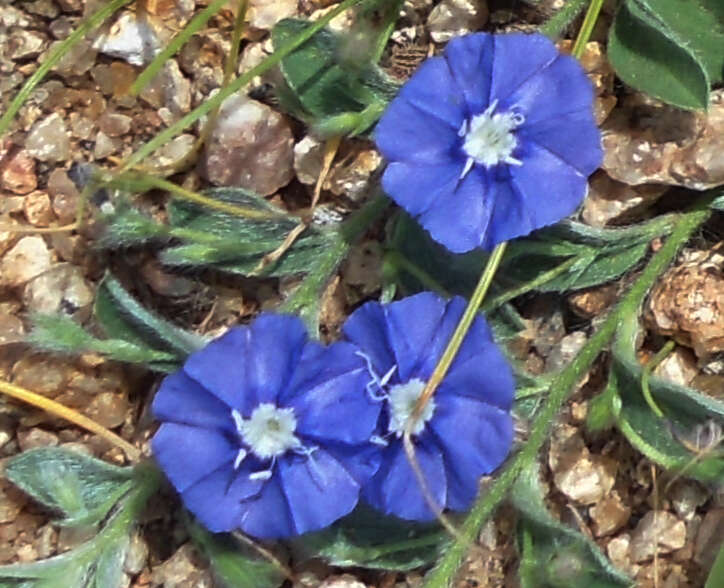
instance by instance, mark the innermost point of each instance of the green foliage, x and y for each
(87, 492)
(690, 417)
(232, 564)
(331, 83)
(598, 255)
(199, 237)
(368, 539)
(552, 554)
(135, 334)
(671, 49)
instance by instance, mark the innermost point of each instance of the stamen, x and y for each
(402, 401)
(376, 387)
(240, 457)
(488, 139)
(377, 440)
(263, 475)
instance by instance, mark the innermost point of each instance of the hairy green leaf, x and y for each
(80, 486)
(368, 539)
(552, 554)
(330, 81)
(687, 439)
(669, 49)
(233, 564)
(123, 317)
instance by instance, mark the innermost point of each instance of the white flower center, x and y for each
(402, 400)
(488, 138)
(269, 431)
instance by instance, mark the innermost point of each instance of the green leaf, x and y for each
(331, 82)
(60, 334)
(554, 555)
(80, 487)
(233, 565)
(368, 539)
(598, 255)
(688, 414)
(123, 317)
(97, 563)
(669, 49)
(716, 575)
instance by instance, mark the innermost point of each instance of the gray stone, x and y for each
(49, 140)
(61, 289)
(29, 258)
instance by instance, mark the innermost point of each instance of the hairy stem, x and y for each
(442, 575)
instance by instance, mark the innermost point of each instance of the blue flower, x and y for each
(466, 428)
(491, 140)
(266, 431)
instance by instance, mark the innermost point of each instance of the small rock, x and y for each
(77, 61)
(251, 147)
(351, 176)
(17, 173)
(44, 8)
(29, 258)
(108, 409)
(11, 331)
(163, 282)
(23, 44)
(136, 556)
(65, 195)
(594, 301)
(308, 157)
(180, 571)
(105, 146)
(11, 502)
(42, 375)
(657, 532)
(363, 267)
(49, 140)
(264, 14)
(709, 538)
(579, 475)
(35, 437)
(609, 515)
(61, 289)
(686, 496)
(173, 152)
(81, 127)
(114, 124)
(47, 539)
(563, 354)
(679, 367)
(344, 581)
(131, 39)
(646, 142)
(169, 89)
(610, 201)
(688, 303)
(451, 18)
(38, 209)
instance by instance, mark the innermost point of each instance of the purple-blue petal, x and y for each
(366, 328)
(267, 515)
(328, 397)
(426, 362)
(406, 133)
(188, 454)
(318, 489)
(510, 215)
(546, 178)
(433, 90)
(518, 57)
(573, 137)
(250, 365)
(559, 89)
(416, 187)
(475, 438)
(395, 490)
(470, 59)
(460, 221)
(413, 325)
(181, 399)
(484, 376)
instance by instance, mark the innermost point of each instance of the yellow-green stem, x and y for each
(443, 365)
(57, 409)
(589, 21)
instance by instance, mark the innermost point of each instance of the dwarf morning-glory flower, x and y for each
(266, 431)
(491, 140)
(464, 431)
